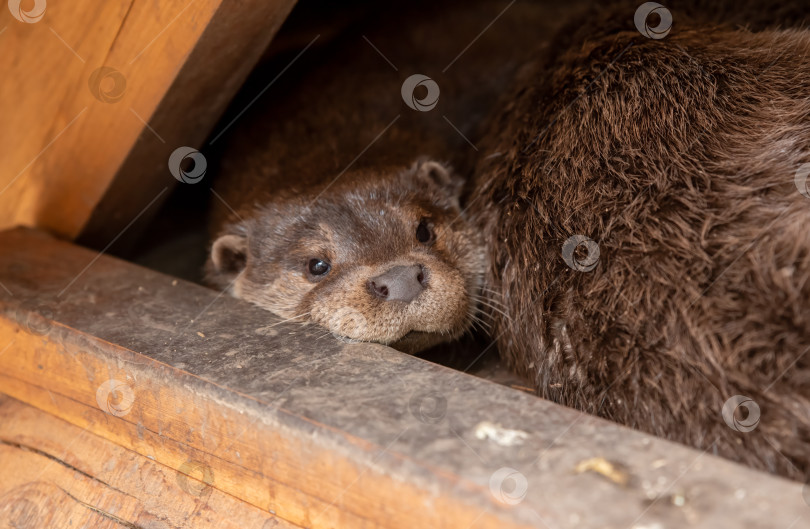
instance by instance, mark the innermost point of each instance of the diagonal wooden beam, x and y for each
(96, 97)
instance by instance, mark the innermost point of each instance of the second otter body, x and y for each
(647, 236)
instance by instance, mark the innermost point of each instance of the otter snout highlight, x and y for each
(399, 283)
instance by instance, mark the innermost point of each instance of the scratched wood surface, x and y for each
(81, 82)
(58, 475)
(328, 434)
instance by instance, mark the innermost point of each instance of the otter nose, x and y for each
(400, 283)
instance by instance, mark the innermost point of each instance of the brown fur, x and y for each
(677, 156)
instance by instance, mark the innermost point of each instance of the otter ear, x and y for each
(437, 174)
(229, 256)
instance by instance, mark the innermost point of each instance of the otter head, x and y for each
(382, 256)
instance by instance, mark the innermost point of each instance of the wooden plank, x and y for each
(73, 134)
(59, 475)
(329, 434)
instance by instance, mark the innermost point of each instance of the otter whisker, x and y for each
(499, 310)
(476, 320)
(491, 297)
(290, 319)
(482, 325)
(488, 302)
(478, 311)
(324, 334)
(494, 295)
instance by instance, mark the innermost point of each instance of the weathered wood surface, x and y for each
(76, 154)
(328, 434)
(58, 475)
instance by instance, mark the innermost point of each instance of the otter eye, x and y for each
(423, 232)
(318, 267)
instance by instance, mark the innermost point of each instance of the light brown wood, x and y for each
(59, 475)
(69, 132)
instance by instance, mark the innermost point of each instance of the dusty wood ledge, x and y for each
(327, 434)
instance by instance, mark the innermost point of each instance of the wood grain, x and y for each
(74, 142)
(59, 475)
(327, 434)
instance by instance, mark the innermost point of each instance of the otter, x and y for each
(335, 202)
(377, 257)
(645, 231)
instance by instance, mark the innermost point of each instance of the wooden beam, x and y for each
(327, 434)
(81, 83)
(59, 475)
